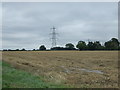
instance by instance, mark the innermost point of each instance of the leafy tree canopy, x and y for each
(42, 47)
(81, 45)
(70, 46)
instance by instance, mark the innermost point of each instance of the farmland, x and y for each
(80, 69)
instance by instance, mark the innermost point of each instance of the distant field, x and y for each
(89, 69)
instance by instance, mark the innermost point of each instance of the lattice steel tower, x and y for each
(54, 39)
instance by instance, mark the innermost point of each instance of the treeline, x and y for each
(14, 50)
(112, 44)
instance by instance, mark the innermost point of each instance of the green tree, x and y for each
(81, 45)
(90, 46)
(97, 45)
(119, 48)
(70, 46)
(23, 49)
(42, 47)
(112, 44)
(17, 49)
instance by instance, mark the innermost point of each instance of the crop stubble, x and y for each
(68, 66)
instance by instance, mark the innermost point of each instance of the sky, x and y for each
(28, 25)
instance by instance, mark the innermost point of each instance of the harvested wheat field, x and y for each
(92, 69)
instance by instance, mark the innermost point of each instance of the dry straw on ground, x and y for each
(76, 68)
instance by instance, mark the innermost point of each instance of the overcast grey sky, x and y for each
(27, 25)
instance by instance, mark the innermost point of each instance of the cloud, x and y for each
(28, 24)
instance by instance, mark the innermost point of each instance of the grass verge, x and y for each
(14, 78)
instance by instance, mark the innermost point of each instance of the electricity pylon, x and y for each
(54, 39)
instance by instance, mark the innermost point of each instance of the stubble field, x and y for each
(92, 69)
